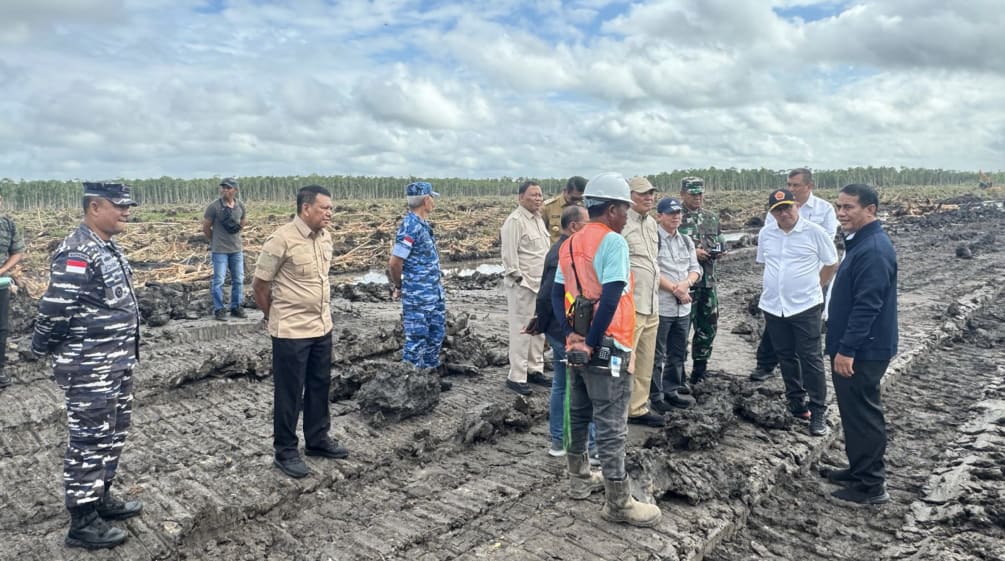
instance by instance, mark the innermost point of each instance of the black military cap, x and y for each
(118, 193)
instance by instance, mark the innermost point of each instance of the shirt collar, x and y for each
(525, 212)
(632, 214)
(302, 227)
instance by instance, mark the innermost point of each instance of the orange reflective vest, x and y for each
(584, 244)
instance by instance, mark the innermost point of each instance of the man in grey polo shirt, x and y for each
(799, 260)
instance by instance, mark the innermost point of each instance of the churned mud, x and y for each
(461, 472)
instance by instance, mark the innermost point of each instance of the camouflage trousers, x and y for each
(425, 326)
(705, 320)
(98, 415)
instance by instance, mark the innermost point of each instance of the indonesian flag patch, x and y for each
(76, 267)
(407, 241)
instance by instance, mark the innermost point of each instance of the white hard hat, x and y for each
(610, 186)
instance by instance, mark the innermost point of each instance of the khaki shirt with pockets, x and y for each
(525, 242)
(643, 244)
(296, 261)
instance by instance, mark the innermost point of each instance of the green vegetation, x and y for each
(173, 191)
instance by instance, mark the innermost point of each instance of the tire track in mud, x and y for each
(200, 455)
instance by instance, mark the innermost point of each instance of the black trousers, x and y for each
(766, 358)
(4, 324)
(862, 419)
(797, 344)
(301, 374)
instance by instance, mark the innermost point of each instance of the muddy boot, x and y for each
(111, 507)
(89, 531)
(582, 482)
(619, 506)
(4, 379)
(698, 371)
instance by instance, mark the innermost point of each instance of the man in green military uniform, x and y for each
(551, 210)
(703, 228)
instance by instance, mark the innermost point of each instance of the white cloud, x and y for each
(542, 88)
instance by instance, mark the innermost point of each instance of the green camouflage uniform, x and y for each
(703, 228)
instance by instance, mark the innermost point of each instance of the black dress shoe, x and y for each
(327, 449)
(520, 388)
(294, 467)
(538, 378)
(649, 419)
(875, 495)
(761, 374)
(677, 401)
(842, 477)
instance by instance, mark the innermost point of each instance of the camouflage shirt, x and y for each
(11, 241)
(702, 226)
(88, 318)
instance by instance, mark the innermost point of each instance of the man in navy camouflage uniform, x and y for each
(415, 273)
(11, 251)
(703, 228)
(89, 320)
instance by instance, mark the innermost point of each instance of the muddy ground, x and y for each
(463, 474)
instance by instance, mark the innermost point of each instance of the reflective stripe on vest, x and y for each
(584, 247)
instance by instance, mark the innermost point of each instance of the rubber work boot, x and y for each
(582, 482)
(111, 507)
(89, 531)
(698, 371)
(4, 379)
(619, 506)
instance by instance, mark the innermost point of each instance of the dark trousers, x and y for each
(862, 419)
(301, 373)
(4, 324)
(797, 344)
(671, 351)
(767, 360)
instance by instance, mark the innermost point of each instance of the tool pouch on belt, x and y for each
(607, 358)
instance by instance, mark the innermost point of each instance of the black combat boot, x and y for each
(698, 371)
(89, 531)
(111, 507)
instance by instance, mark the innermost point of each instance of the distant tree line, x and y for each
(21, 195)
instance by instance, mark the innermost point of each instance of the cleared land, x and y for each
(471, 479)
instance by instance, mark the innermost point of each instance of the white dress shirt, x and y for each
(792, 263)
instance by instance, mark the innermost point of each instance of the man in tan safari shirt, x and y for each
(292, 290)
(525, 242)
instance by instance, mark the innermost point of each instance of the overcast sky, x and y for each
(487, 88)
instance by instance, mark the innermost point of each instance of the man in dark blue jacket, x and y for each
(861, 340)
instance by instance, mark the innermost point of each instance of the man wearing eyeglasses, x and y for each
(222, 224)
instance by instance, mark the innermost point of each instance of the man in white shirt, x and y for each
(525, 242)
(821, 213)
(799, 261)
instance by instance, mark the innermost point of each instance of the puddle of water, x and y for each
(374, 276)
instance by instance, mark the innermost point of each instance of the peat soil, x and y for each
(463, 474)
